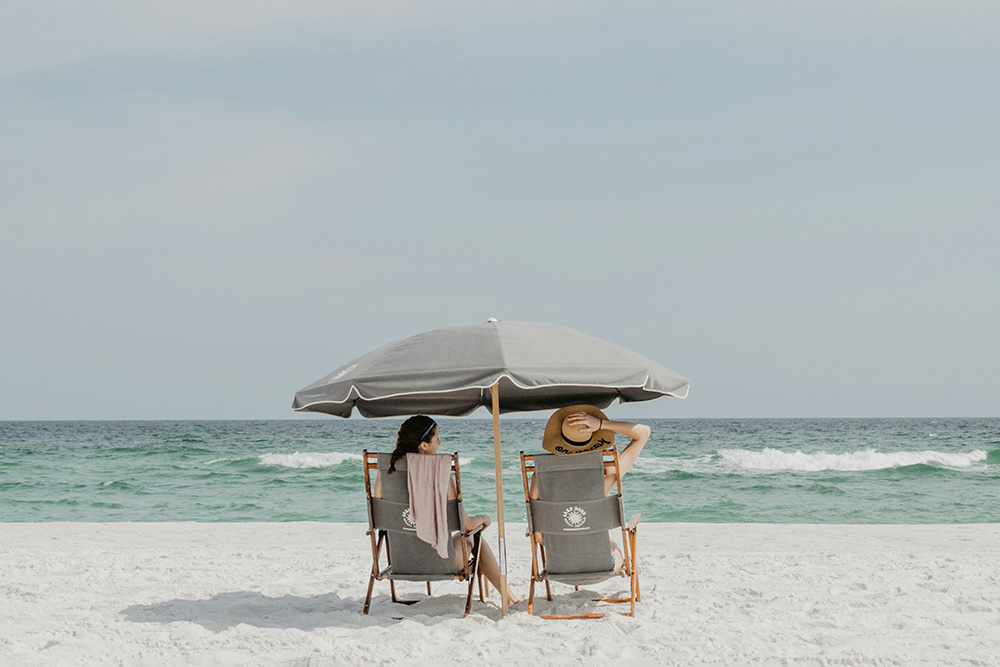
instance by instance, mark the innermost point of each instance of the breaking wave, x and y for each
(868, 459)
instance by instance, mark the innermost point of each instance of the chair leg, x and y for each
(468, 597)
(429, 589)
(635, 568)
(635, 590)
(531, 596)
(368, 598)
(392, 587)
(477, 544)
(548, 588)
(376, 552)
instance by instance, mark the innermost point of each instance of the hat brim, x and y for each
(553, 440)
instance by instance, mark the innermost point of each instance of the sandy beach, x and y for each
(291, 594)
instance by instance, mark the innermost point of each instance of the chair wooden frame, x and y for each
(380, 538)
(629, 543)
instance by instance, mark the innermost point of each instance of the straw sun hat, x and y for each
(561, 438)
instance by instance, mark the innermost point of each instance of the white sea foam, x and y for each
(307, 459)
(868, 459)
(316, 459)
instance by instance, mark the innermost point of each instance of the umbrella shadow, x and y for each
(227, 610)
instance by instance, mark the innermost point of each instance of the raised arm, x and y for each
(639, 434)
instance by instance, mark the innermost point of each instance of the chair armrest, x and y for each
(633, 522)
(478, 528)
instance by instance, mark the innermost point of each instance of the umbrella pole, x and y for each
(501, 547)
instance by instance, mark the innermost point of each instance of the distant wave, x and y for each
(316, 460)
(303, 460)
(776, 460)
(307, 459)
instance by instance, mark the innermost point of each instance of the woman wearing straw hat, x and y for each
(583, 428)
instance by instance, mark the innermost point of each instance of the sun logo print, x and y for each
(574, 517)
(408, 519)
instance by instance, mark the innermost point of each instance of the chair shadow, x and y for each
(227, 610)
(587, 600)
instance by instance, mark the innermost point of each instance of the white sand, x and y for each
(291, 594)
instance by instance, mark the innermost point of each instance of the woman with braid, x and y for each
(419, 435)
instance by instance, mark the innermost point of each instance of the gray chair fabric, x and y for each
(574, 517)
(412, 559)
(409, 557)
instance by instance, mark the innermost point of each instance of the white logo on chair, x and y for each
(408, 520)
(575, 517)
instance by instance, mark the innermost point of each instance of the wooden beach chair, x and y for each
(408, 558)
(569, 525)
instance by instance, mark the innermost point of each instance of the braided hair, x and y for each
(414, 431)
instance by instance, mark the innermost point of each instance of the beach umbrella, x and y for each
(502, 366)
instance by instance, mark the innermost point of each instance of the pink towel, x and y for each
(429, 477)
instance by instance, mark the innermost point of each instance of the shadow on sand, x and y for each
(227, 610)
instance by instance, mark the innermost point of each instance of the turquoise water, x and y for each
(705, 470)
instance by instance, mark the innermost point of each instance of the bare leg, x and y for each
(487, 564)
(617, 556)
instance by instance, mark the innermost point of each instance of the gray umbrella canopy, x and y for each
(450, 372)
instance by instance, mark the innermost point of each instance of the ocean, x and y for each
(871, 471)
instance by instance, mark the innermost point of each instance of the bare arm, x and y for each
(639, 433)
(469, 522)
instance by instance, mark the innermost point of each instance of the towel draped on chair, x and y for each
(429, 478)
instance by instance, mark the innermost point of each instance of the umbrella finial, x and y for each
(492, 320)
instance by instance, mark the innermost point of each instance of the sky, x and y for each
(206, 206)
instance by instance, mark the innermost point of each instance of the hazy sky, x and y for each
(206, 206)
